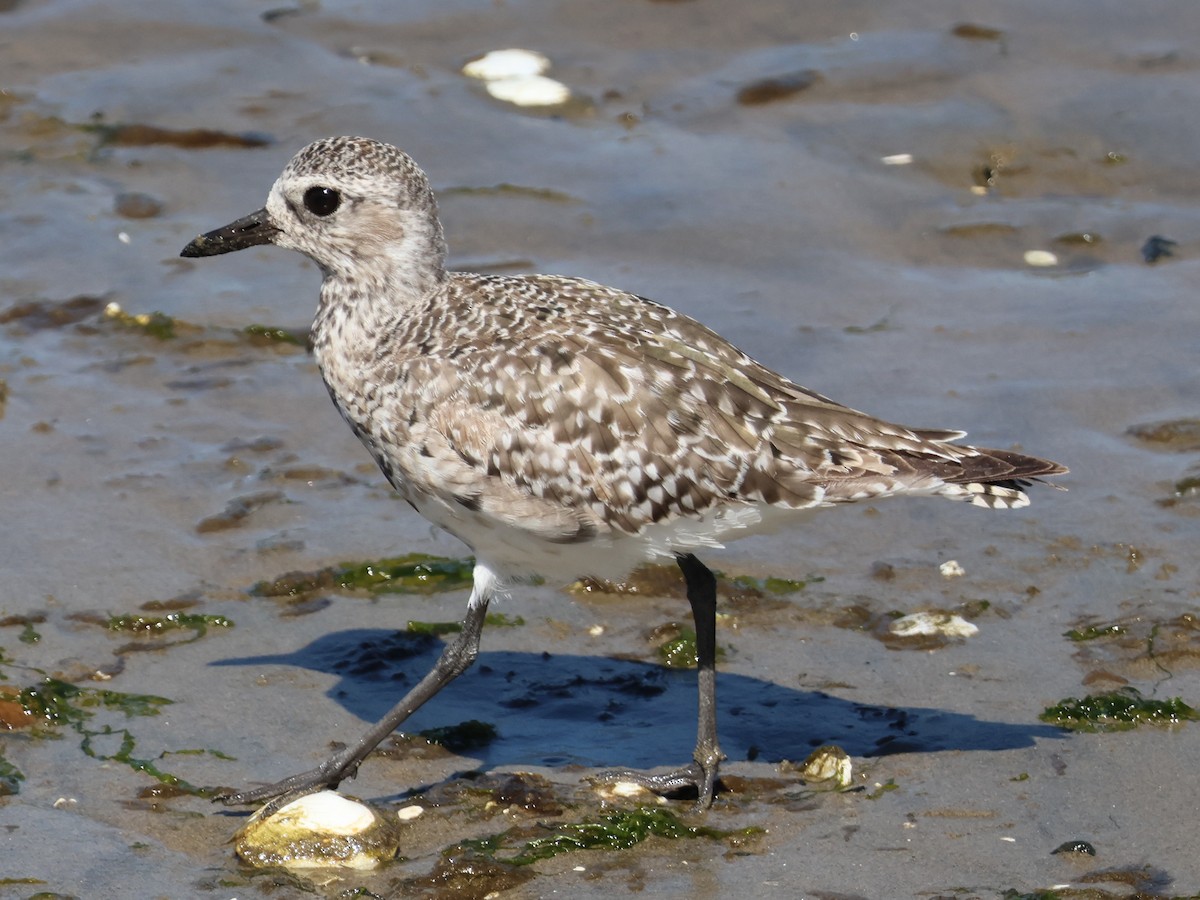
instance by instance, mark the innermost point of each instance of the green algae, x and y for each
(469, 735)
(124, 755)
(1139, 645)
(437, 629)
(165, 328)
(618, 830)
(139, 624)
(680, 653)
(771, 584)
(53, 704)
(10, 777)
(154, 324)
(269, 334)
(883, 324)
(1119, 710)
(880, 789)
(1187, 487)
(501, 620)
(663, 580)
(217, 754)
(29, 634)
(415, 573)
(1091, 632)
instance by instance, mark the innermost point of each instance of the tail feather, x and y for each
(995, 479)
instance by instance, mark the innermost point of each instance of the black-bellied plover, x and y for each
(562, 428)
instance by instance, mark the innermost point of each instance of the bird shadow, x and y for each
(556, 709)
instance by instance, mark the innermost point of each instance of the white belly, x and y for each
(512, 553)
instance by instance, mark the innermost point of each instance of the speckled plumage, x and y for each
(560, 427)
(564, 428)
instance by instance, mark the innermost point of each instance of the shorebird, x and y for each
(562, 428)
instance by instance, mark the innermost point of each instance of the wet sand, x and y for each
(139, 469)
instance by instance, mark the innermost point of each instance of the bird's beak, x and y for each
(248, 231)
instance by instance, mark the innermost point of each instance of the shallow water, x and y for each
(897, 289)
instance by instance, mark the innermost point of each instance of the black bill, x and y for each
(248, 231)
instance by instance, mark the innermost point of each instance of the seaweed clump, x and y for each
(1119, 710)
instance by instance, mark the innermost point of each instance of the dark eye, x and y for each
(322, 201)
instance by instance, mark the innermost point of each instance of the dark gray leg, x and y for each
(702, 595)
(701, 773)
(455, 659)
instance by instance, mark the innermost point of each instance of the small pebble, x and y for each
(137, 206)
(1156, 247)
(768, 90)
(884, 571)
(972, 32)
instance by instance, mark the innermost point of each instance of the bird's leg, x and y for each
(455, 659)
(702, 595)
(701, 773)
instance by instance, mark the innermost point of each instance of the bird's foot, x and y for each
(693, 777)
(326, 776)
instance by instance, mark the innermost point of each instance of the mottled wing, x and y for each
(613, 412)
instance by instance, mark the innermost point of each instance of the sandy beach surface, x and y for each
(949, 214)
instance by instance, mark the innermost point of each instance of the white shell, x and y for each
(321, 830)
(1040, 258)
(951, 568)
(534, 90)
(512, 63)
(931, 623)
(829, 763)
(628, 790)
